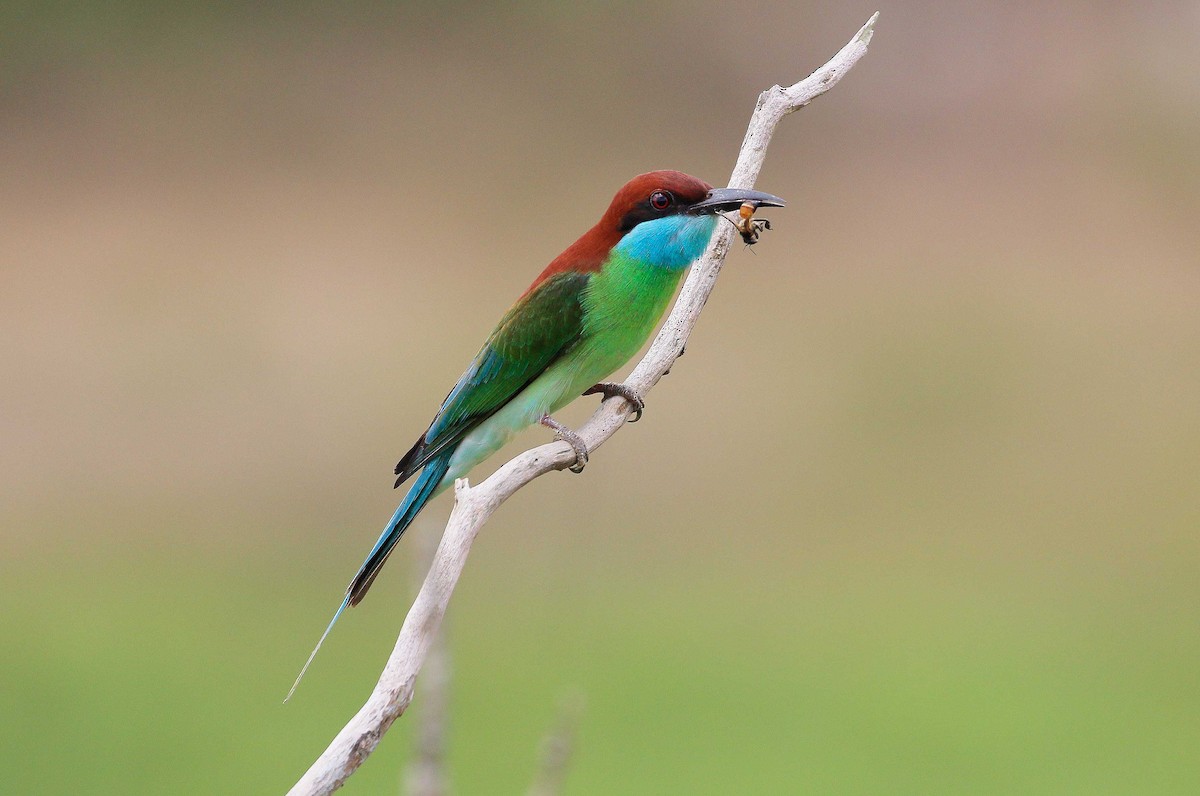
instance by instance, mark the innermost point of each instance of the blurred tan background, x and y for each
(917, 513)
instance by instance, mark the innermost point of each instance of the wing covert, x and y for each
(532, 334)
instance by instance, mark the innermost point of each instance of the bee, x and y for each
(749, 227)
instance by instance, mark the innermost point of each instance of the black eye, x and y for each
(661, 200)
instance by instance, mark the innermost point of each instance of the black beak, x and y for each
(721, 199)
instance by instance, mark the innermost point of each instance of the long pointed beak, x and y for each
(721, 199)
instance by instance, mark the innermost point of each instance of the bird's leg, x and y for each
(609, 389)
(571, 438)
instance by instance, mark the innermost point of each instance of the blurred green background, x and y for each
(916, 514)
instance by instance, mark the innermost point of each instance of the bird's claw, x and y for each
(571, 438)
(581, 460)
(610, 389)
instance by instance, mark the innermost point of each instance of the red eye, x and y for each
(661, 200)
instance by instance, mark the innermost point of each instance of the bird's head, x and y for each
(666, 218)
(658, 194)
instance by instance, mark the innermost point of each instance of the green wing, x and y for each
(538, 329)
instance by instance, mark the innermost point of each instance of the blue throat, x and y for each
(672, 242)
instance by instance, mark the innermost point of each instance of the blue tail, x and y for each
(418, 495)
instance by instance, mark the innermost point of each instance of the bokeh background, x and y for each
(916, 514)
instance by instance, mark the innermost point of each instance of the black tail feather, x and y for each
(410, 462)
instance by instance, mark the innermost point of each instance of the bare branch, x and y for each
(473, 506)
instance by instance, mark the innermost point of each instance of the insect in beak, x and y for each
(749, 227)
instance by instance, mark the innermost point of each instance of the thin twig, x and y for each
(474, 505)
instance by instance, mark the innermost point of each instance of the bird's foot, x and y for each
(571, 438)
(609, 389)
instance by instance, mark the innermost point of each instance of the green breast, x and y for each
(622, 304)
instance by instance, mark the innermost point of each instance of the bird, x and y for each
(584, 316)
